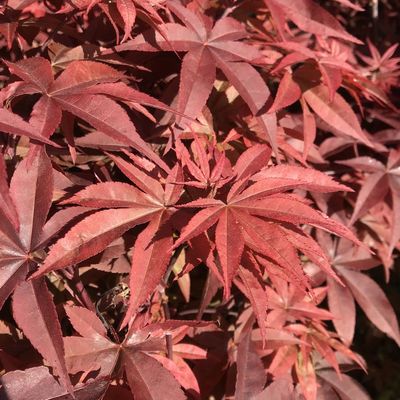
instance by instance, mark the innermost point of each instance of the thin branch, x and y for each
(168, 336)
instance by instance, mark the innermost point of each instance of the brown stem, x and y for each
(168, 337)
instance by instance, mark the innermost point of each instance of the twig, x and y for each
(168, 336)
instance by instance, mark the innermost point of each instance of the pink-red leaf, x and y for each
(35, 70)
(38, 384)
(347, 387)
(13, 124)
(111, 195)
(337, 113)
(80, 75)
(128, 13)
(108, 117)
(86, 322)
(312, 18)
(373, 301)
(92, 235)
(251, 375)
(36, 315)
(148, 380)
(288, 93)
(230, 244)
(150, 257)
(342, 306)
(196, 81)
(203, 220)
(31, 189)
(45, 117)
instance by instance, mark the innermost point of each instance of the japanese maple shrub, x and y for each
(192, 194)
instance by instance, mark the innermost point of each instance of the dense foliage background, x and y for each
(199, 199)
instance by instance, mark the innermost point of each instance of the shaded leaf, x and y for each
(35, 313)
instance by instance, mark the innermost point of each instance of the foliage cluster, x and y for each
(192, 194)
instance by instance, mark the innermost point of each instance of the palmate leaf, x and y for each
(208, 49)
(250, 283)
(251, 217)
(373, 301)
(128, 11)
(181, 371)
(147, 378)
(230, 244)
(342, 305)
(27, 179)
(38, 384)
(381, 181)
(23, 230)
(70, 92)
(359, 288)
(31, 192)
(127, 207)
(308, 16)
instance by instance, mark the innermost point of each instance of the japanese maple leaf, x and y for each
(138, 354)
(258, 214)
(38, 384)
(288, 301)
(279, 387)
(349, 264)
(380, 181)
(383, 69)
(208, 169)
(128, 10)
(126, 206)
(24, 209)
(251, 375)
(336, 114)
(333, 110)
(331, 61)
(334, 145)
(85, 89)
(329, 381)
(378, 233)
(250, 282)
(207, 49)
(13, 124)
(23, 234)
(315, 339)
(308, 16)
